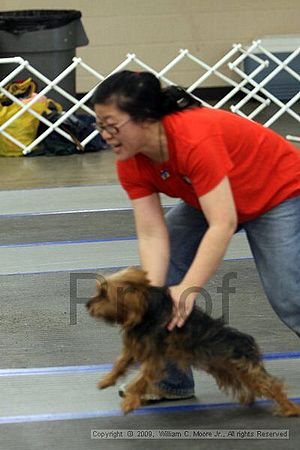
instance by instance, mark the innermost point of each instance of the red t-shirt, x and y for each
(205, 145)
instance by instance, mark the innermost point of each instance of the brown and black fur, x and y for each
(143, 311)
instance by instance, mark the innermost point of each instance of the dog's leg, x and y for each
(120, 367)
(151, 371)
(226, 380)
(262, 384)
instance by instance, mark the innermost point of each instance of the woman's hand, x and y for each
(183, 303)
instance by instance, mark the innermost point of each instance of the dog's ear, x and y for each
(101, 285)
(134, 306)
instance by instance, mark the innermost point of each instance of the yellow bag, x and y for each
(25, 127)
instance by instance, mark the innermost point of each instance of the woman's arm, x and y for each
(219, 209)
(153, 238)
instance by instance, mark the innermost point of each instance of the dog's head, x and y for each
(121, 297)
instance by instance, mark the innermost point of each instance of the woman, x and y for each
(229, 172)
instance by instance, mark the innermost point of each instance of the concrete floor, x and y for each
(53, 236)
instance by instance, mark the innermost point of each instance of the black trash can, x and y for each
(47, 39)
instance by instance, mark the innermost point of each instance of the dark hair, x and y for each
(141, 95)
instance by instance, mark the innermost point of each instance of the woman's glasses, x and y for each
(110, 129)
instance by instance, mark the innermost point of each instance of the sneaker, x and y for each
(156, 395)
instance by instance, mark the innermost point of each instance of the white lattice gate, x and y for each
(231, 70)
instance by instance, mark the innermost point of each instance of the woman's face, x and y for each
(125, 137)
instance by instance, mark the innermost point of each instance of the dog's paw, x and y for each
(130, 404)
(247, 399)
(291, 410)
(106, 382)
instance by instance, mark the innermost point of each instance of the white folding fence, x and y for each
(245, 97)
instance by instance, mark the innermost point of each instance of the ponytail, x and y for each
(175, 98)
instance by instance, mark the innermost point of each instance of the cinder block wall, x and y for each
(156, 29)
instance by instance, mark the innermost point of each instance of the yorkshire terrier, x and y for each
(143, 311)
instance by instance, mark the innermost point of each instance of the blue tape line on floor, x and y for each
(116, 412)
(53, 243)
(59, 271)
(66, 212)
(106, 367)
(89, 269)
(81, 241)
(285, 355)
(55, 370)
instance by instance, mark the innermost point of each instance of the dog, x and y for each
(143, 311)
